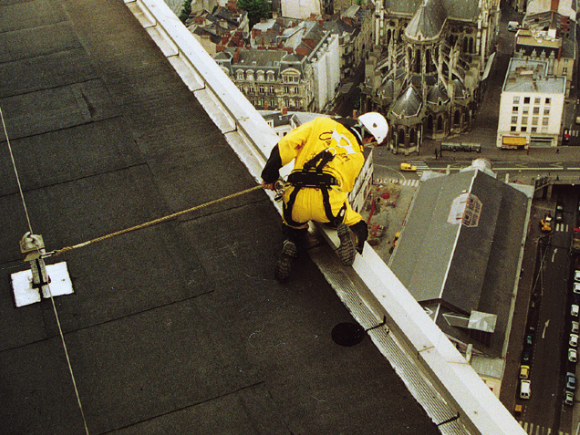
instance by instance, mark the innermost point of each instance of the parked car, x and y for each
(572, 355)
(525, 389)
(574, 308)
(576, 287)
(524, 372)
(529, 340)
(566, 137)
(568, 398)
(573, 340)
(577, 276)
(526, 356)
(575, 327)
(570, 381)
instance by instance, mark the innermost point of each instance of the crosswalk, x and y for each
(405, 182)
(561, 227)
(536, 429)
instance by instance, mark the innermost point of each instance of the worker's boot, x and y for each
(361, 231)
(346, 250)
(284, 265)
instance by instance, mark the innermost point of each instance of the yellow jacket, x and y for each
(308, 140)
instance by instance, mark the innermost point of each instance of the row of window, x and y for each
(524, 129)
(535, 119)
(271, 90)
(526, 110)
(260, 76)
(537, 100)
(273, 103)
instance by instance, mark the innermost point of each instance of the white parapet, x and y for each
(438, 376)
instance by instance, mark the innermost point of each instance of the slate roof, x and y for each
(466, 268)
(428, 21)
(408, 104)
(464, 10)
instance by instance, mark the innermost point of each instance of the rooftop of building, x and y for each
(180, 325)
(531, 76)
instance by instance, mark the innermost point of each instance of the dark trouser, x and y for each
(298, 236)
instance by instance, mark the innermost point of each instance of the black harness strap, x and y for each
(311, 176)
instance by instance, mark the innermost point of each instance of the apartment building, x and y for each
(531, 106)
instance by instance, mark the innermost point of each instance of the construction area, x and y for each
(385, 211)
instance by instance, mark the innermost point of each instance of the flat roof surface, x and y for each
(180, 327)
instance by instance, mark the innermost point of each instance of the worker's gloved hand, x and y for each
(268, 186)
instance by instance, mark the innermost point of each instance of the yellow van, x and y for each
(524, 372)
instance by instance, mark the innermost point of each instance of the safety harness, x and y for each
(311, 176)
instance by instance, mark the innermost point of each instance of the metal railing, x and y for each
(438, 376)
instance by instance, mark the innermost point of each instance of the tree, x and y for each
(186, 11)
(256, 9)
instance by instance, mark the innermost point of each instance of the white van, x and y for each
(525, 389)
(513, 26)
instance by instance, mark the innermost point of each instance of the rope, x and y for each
(15, 171)
(153, 222)
(68, 360)
(47, 286)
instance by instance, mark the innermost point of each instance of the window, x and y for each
(524, 129)
(240, 74)
(261, 91)
(535, 120)
(545, 121)
(271, 89)
(526, 100)
(296, 90)
(536, 110)
(250, 76)
(524, 120)
(548, 100)
(537, 100)
(526, 110)
(534, 129)
(515, 109)
(251, 89)
(516, 100)
(564, 70)
(513, 128)
(514, 119)
(286, 89)
(546, 110)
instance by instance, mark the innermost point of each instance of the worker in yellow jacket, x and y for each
(328, 156)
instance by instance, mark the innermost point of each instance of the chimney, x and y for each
(555, 5)
(284, 110)
(237, 55)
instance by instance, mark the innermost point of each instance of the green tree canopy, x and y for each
(256, 9)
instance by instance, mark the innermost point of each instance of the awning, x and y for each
(514, 140)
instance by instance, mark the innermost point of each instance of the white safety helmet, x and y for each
(375, 124)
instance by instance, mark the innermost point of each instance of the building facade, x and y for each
(425, 66)
(302, 75)
(531, 106)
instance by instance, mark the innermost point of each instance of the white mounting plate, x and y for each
(25, 294)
